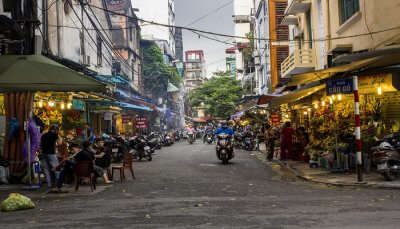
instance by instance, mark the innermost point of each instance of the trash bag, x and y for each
(16, 202)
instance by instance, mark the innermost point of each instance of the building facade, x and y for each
(159, 11)
(126, 41)
(178, 44)
(231, 60)
(195, 71)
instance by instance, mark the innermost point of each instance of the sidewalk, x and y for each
(324, 176)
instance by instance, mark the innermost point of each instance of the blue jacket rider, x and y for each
(224, 130)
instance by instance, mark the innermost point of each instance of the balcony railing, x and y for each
(300, 61)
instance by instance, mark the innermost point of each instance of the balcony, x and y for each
(300, 61)
(290, 20)
(298, 6)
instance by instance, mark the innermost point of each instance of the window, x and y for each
(347, 9)
(99, 51)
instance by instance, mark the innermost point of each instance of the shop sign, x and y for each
(108, 116)
(78, 105)
(369, 84)
(339, 86)
(141, 123)
(275, 119)
(117, 5)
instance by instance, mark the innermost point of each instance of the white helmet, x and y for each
(385, 145)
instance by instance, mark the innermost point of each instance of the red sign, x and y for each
(141, 123)
(275, 119)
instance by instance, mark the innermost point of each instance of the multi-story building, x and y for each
(325, 34)
(159, 11)
(126, 41)
(231, 60)
(178, 44)
(195, 71)
(242, 19)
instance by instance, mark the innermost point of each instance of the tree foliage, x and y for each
(220, 95)
(156, 72)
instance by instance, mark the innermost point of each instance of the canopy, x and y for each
(296, 95)
(373, 62)
(172, 88)
(39, 73)
(134, 107)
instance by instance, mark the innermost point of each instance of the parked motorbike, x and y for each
(153, 142)
(142, 150)
(168, 140)
(386, 156)
(224, 148)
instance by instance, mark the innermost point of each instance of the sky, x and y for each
(187, 11)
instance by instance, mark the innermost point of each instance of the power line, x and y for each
(209, 13)
(241, 37)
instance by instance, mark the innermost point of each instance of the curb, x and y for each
(337, 184)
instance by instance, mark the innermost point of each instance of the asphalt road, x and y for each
(185, 186)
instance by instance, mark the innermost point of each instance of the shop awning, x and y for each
(388, 59)
(134, 107)
(172, 88)
(264, 99)
(296, 95)
(39, 73)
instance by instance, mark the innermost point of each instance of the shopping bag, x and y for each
(16, 202)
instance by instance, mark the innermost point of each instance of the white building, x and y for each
(159, 11)
(242, 20)
(262, 49)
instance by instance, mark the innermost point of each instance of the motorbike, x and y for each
(224, 148)
(386, 156)
(191, 137)
(249, 143)
(238, 141)
(209, 138)
(168, 140)
(142, 150)
(153, 142)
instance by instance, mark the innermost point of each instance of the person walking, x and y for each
(286, 141)
(48, 144)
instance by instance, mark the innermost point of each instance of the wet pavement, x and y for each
(185, 186)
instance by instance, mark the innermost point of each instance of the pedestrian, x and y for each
(286, 141)
(271, 135)
(48, 144)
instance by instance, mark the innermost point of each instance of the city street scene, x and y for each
(199, 114)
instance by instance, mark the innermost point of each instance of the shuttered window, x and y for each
(282, 30)
(347, 9)
(282, 54)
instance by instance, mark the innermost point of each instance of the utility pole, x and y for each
(357, 128)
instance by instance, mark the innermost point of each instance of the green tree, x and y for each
(219, 95)
(156, 72)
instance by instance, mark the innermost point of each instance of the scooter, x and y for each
(209, 138)
(386, 156)
(224, 148)
(249, 143)
(142, 150)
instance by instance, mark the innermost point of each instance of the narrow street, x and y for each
(186, 187)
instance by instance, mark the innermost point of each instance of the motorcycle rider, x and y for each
(208, 129)
(224, 129)
(190, 129)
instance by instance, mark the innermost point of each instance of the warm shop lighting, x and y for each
(339, 97)
(69, 105)
(40, 103)
(379, 90)
(62, 106)
(286, 116)
(316, 106)
(51, 103)
(333, 97)
(305, 113)
(323, 103)
(330, 101)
